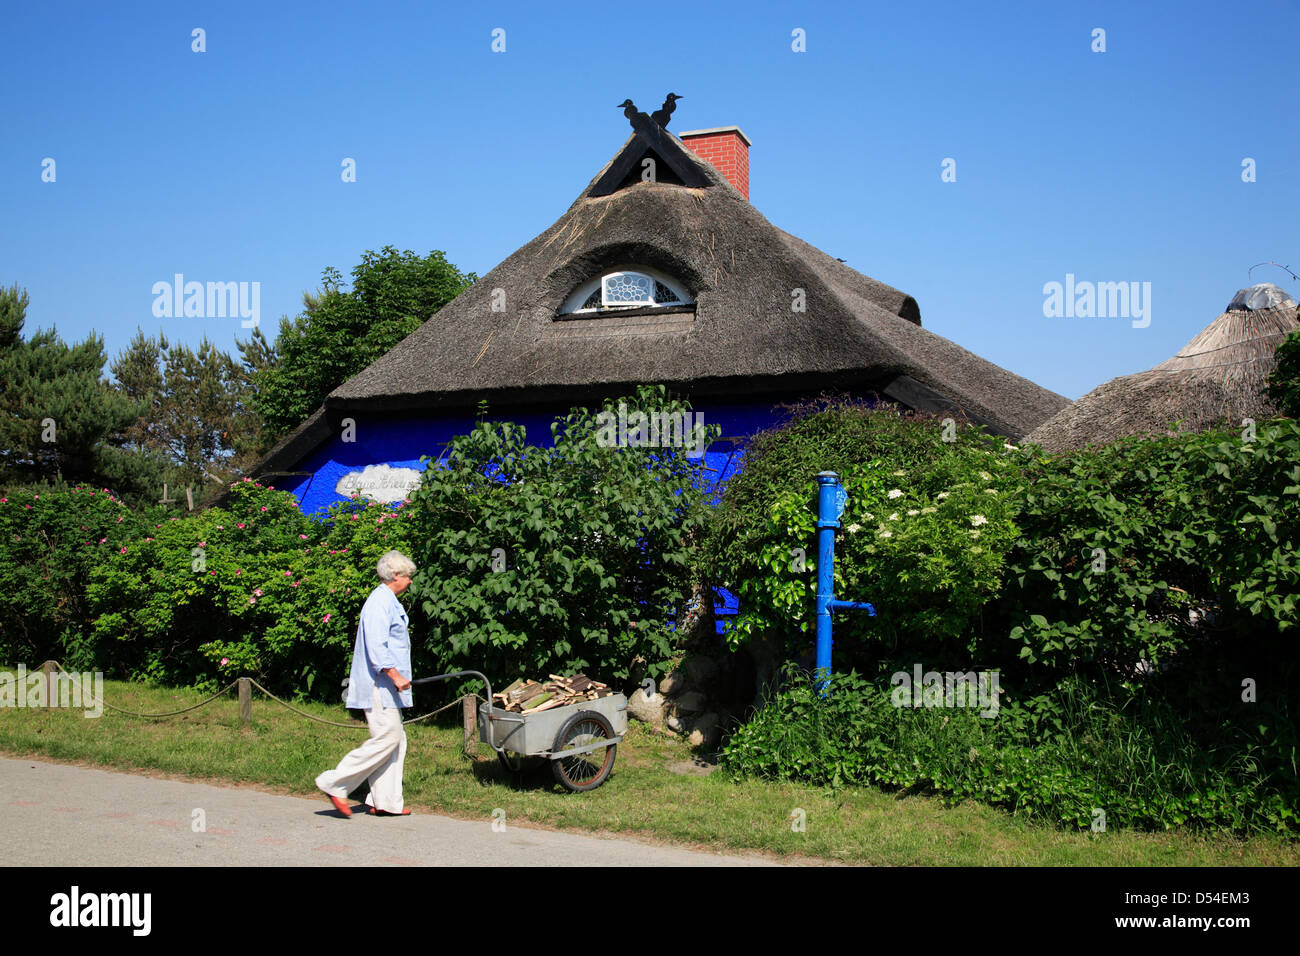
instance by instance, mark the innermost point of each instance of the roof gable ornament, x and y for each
(662, 115)
(651, 135)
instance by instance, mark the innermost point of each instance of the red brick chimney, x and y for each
(726, 148)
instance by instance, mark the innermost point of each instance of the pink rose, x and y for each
(302, 536)
(327, 618)
(225, 661)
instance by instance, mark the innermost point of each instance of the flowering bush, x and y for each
(50, 539)
(254, 588)
(923, 537)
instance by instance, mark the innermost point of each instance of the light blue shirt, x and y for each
(383, 641)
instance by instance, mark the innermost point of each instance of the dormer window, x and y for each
(626, 289)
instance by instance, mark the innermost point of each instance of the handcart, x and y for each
(579, 739)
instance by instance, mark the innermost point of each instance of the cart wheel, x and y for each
(512, 761)
(585, 771)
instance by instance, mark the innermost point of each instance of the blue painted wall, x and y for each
(400, 441)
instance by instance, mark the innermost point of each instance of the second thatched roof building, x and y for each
(1219, 376)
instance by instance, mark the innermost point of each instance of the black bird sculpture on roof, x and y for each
(634, 116)
(665, 112)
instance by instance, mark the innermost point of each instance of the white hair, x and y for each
(392, 564)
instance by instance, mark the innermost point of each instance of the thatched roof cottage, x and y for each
(661, 271)
(1219, 375)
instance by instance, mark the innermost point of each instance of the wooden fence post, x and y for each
(245, 702)
(470, 713)
(50, 675)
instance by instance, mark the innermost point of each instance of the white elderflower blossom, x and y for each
(895, 493)
(900, 473)
(854, 528)
(978, 520)
(884, 534)
(990, 491)
(913, 512)
(941, 495)
(986, 476)
(929, 511)
(894, 516)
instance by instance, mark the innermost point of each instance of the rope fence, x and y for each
(245, 685)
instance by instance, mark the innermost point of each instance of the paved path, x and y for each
(60, 815)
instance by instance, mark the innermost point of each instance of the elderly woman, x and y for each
(380, 685)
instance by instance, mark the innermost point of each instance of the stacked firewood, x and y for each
(533, 697)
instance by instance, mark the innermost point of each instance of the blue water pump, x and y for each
(831, 499)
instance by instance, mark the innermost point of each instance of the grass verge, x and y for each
(642, 797)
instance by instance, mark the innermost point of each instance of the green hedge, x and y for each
(1161, 576)
(1134, 760)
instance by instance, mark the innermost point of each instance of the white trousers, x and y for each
(378, 760)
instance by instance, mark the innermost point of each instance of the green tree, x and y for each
(1284, 383)
(59, 417)
(341, 331)
(196, 409)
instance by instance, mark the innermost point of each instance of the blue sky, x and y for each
(1115, 166)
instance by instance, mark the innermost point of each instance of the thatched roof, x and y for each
(1220, 374)
(741, 335)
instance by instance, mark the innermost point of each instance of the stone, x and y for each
(674, 683)
(705, 731)
(674, 724)
(649, 710)
(691, 702)
(700, 670)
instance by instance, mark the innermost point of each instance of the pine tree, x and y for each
(59, 418)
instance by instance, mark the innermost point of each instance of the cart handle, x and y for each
(491, 733)
(430, 680)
